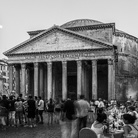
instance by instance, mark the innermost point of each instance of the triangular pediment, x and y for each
(56, 39)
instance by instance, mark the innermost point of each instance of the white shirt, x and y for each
(84, 106)
(41, 105)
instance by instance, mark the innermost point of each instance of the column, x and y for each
(23, 78)
(111, 75)
(17, 79)
(94, 79)
(36, 79)
(79, 78)
(41, 81)
(64, 80)
(49, 80)
(10, 78)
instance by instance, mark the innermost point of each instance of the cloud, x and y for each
(1, 26)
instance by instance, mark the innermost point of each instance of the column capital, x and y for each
(36, 64)
(79, 63)
(94, 62)
(23, 65)
(64, 62)
(110, 61)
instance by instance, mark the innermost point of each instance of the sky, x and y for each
(17, 17)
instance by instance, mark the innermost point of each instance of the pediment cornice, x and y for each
(64, 51)
(54, 29)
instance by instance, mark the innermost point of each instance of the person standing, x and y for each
(68, 126)
(31, 111)
(83, 109)
(41, 109)
(50, 110)
(11, 111)
(19, 111)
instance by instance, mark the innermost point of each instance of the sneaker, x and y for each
(34, 125)
(25, 125)
(31, 126)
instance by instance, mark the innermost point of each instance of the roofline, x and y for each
(61, 29)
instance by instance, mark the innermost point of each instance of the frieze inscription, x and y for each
(74, 56)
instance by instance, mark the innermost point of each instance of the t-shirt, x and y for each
(11, 105)
(69, 109)
(84, 107)
(31, 105)
(19, 106)
(41, 105)
(50, 107)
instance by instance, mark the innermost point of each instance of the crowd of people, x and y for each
(71, 114)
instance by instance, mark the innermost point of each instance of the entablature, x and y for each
(62, 56)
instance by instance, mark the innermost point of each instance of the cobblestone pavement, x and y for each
(41, 131)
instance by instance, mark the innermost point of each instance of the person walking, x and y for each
(83, 111)
(41, 109)
(69, 122)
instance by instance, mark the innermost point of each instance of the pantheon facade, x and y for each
(79, 57)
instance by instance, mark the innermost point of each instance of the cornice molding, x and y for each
(127, 55)
(53, 29)
(89, 27)
(128, 36)
(66, 51)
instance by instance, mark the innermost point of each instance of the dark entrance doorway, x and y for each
(72, 79)
(102, 79)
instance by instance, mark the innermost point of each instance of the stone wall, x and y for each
(103, 34)
(127, 68)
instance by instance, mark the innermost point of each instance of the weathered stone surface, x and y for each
(127, 73)
(100, 34)
(56, 41)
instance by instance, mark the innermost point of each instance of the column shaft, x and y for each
(49, 80)
(111, 75)
(94, 79)
(10, 78)
(41, 81)
(36, 79)
(64, 80)
(23, 80)
(17, 79)
(79, 78)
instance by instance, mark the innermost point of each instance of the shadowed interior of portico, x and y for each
(71, 81)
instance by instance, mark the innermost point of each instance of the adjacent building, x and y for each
(79, 57)
(4, 77)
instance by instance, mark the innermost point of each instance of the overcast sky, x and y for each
(19, 16)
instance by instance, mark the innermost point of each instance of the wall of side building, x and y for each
(127, 68)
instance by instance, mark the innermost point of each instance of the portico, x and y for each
(59, 62)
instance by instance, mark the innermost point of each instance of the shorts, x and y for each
(11, 114)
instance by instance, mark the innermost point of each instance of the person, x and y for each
(50, 110)
(129, 127)
(31, 111)
(57, 111)
(83, 111)
(25, 111)
(36, 112)
(98, 126)
(19, 111)
(4, 107)
(69, 130)
(11, 111)
(41, 109)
